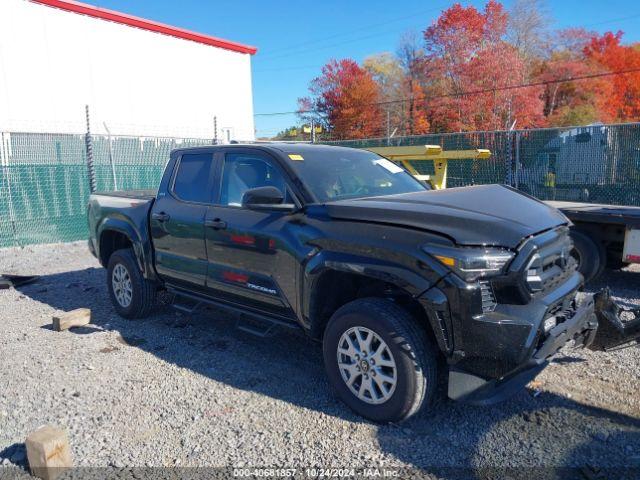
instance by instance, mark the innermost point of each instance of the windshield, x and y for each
(335, 175)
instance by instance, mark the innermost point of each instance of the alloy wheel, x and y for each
(367, 365)
(121, 283)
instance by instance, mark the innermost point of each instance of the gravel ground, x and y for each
(191, 390)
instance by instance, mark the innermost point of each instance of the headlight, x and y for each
(471, 263)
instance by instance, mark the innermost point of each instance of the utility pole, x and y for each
(215, 130)
(313, 131)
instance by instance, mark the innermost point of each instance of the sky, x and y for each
(294, 38)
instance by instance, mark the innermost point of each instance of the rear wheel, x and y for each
(379, 360)
(591, 256)
(132, 295)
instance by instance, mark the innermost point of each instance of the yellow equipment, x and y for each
(405, 155)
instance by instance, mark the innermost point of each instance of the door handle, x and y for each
(161, 216)
(216, 224)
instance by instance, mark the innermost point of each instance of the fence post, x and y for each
(4, 156)
(89, 146)
(517, 165)
(509, 159)
(110, 150)
(388, 128)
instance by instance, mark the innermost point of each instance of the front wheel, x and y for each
(379, 360)
(132, 295)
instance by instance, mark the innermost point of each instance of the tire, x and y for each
(410, 350)
(143, 293)
(591, 256)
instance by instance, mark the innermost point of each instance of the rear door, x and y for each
(251, 261)
(177, 221)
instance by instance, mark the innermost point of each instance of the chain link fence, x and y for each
(44, 184)
(596, 164)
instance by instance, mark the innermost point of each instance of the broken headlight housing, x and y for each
(472, 263)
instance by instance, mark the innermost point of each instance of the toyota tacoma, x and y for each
(403, 285)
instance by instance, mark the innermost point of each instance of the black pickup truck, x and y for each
(402, 285)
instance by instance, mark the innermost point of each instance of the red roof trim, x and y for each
(123, 18)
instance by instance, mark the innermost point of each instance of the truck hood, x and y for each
(480, 215)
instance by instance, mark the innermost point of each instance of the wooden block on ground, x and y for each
(48, 452)
(75, 318)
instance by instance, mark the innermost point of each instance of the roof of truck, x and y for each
(283, 147)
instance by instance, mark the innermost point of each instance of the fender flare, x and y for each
(377, 269)
(141, 249)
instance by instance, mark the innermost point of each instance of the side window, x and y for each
(192, 178)
(242, 172)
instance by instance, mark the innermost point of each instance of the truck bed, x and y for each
(599, 213)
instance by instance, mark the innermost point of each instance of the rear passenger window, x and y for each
(192, 178)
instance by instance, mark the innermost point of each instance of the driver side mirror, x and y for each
(266, 198)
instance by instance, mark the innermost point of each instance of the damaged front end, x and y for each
(618, 327)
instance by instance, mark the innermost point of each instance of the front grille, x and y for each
(550, 264)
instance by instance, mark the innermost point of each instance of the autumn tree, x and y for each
(346, 99)
(471, 68)
(414, 113)
(622, 102)
(387, 72)
(483, 69)
(528, 29)
(571, 102)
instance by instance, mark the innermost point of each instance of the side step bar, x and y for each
(258, 324)
(614, 331)
(188, 307)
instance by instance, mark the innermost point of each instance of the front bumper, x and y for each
(577, 331)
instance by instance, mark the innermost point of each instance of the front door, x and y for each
(177, 221)
(248, 259)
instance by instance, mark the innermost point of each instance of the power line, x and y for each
(270, 56)
(476, 92)
(359, 29)
(325, 47)
(619, 19)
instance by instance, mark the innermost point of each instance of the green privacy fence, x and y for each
(44, 184)
(597, 164)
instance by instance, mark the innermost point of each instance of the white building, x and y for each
(138, 77)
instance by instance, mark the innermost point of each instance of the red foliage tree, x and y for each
(577, 102)
(415, 115)
(622, 101)
(346, 97)
(466, 53)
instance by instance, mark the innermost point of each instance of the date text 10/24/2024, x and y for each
(317, 472)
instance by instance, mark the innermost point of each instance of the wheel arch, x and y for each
(332, 280)
(116, 234)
